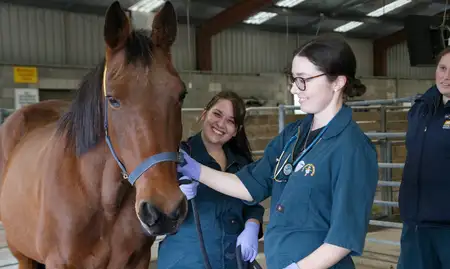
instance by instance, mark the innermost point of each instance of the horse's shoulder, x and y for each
(45, 112)
(26, 119)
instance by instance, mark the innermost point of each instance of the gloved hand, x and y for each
(248, 240)
(189, 190)
(292, 266)
(189, 167)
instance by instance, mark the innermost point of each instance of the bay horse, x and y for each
(67, 198)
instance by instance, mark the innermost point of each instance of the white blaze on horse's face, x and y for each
(144, 95)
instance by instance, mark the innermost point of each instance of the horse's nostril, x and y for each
(180, 211)
(149, 214)
(175, 214)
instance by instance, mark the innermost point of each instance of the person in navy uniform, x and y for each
(226, 222)
(425, 189)
(321, 172)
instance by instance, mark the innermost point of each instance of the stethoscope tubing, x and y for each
(278, 169)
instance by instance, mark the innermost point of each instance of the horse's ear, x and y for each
(117, 28)
(165, 26)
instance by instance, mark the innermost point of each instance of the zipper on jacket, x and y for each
(228, 166)
(420, 170)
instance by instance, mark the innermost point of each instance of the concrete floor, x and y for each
(376, 255)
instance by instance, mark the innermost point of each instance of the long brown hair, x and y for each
(238, 144)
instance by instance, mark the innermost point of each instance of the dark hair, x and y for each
(442, 54)
(333, 56)
(238, 144)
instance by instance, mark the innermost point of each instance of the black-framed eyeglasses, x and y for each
(301, 82)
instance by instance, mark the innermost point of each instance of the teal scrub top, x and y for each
(326, 199)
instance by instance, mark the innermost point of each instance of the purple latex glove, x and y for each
(292, 266)
(248, 240)
(189, 167)
(189, 190)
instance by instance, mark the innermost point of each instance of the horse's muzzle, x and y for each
(157, 223)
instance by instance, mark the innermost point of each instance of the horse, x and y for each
(92, 182)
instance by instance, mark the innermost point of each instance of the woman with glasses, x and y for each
(320, 172)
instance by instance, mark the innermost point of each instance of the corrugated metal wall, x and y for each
(49, 37)
(31, 35)
(398, 64)
(182, 58)
(237, 51)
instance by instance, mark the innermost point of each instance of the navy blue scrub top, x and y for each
(222, 219)
(326, 199)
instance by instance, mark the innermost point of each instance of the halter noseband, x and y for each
(147, 163)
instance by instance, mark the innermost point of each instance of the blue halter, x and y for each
(147, 163)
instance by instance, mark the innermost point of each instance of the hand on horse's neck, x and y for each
(216, 151)
(323, 117)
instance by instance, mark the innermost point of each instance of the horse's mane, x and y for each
(83, 122)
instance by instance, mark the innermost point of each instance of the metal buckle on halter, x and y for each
(180, 157)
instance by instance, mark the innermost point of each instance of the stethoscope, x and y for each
(286, 166)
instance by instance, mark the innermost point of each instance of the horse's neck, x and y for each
(110, 188)
(114, 189)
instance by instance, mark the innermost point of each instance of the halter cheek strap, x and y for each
(147, 163)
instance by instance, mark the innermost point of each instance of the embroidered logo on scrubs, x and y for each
(309, 169)
(446, 125)
(299, 166)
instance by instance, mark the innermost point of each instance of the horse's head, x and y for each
(143, 99)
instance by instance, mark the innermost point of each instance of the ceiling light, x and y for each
(147, 5)
(288, 3)
(388, 8)
(376, 13)
(260, 17)
(348, 26)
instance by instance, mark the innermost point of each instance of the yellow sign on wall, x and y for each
(24, 74)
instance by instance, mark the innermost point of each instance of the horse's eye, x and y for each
(114, 102)
(183, 96)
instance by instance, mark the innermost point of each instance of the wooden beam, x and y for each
(380, 48)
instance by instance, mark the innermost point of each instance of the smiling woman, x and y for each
(222, 145)
(223, 121)
(423, 198)
(442, 75)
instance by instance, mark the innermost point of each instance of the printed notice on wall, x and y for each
(23, 97)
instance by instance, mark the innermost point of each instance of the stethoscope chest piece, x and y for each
(287, 169)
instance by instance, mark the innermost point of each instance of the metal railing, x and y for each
(386, 155)
(383, 137)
